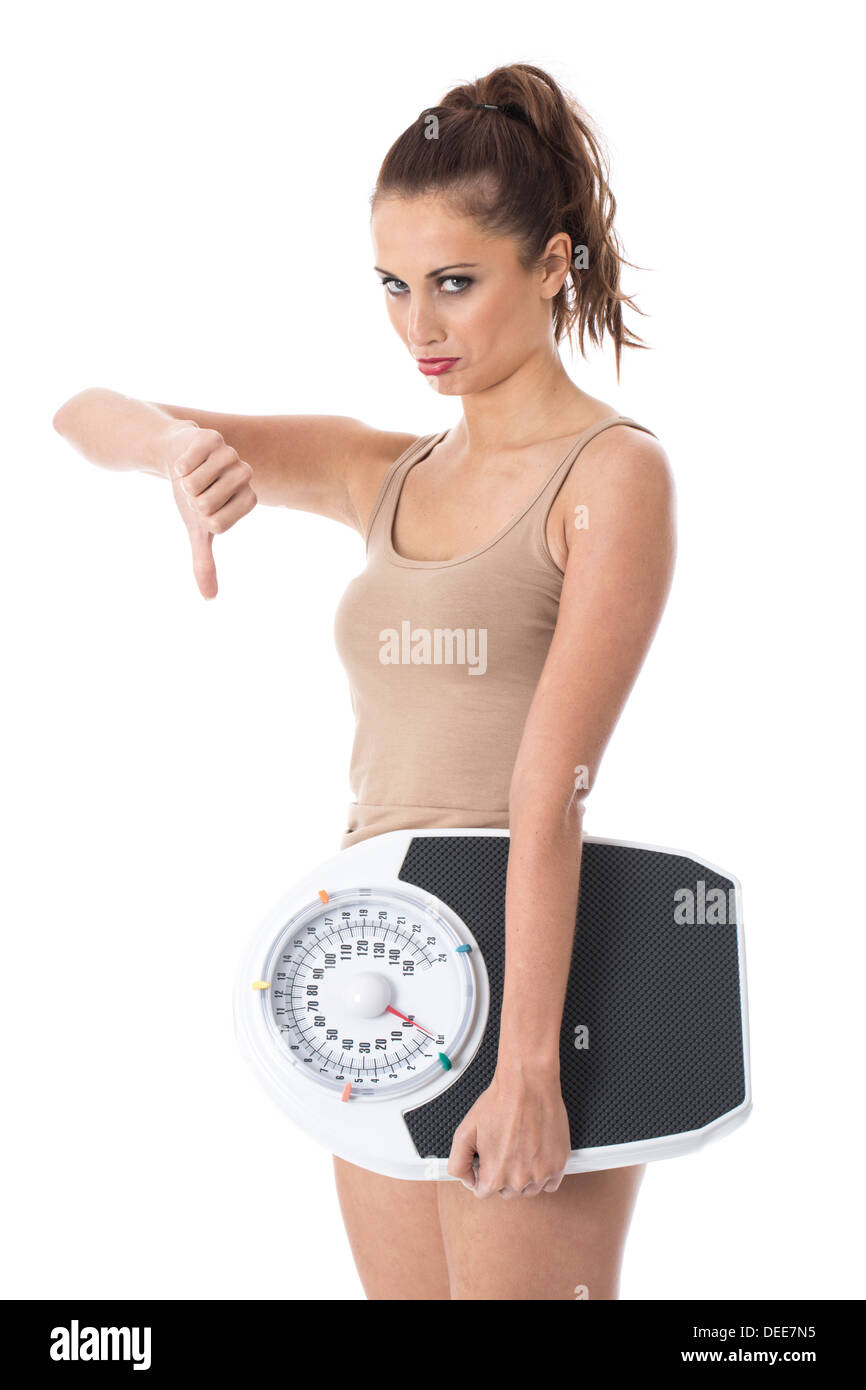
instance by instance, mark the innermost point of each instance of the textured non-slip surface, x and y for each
(661, 1001)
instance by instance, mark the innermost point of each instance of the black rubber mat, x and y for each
(661, 1000)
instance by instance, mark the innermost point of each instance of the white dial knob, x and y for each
(367, 995)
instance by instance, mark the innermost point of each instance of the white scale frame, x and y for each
(369, 1129)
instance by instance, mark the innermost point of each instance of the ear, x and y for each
(555, 263)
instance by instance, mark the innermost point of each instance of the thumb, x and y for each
(461, 1158)
(203, 564)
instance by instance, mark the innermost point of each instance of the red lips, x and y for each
(435, 366)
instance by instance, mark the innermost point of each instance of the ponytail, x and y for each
(529, 168)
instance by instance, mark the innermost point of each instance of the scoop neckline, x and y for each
(403, 560)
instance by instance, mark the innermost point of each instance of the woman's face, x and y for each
(458, 293)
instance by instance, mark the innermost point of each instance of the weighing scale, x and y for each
(368, 1002)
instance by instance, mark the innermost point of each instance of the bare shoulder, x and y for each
(375, 453)
(625, 476)
(626, 462)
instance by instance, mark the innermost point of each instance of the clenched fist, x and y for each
(212, 490)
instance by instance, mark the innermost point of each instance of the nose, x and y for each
(422, 330)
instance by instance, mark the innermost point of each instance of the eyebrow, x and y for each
(458, 265)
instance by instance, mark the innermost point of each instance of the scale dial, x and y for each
(370, 992)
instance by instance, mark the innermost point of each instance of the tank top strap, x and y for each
(540, 511)
(559, 474)
(382, 513)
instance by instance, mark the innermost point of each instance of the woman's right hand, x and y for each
(212, 491)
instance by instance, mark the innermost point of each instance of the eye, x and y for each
(460, 284)
(462, 281)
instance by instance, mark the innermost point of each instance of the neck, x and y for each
(538, 401)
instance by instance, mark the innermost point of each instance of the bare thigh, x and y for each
(556, 1245)
(436, 1240)
(394, 1232)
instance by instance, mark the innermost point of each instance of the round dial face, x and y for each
(373, 990)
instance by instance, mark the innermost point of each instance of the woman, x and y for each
(493, 239)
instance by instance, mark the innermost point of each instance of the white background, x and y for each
(187, 221)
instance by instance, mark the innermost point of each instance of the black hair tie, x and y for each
(508, 108)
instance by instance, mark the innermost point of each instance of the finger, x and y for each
(488, 1181)
(203, 564)
(531, 1189)
(237, 506)
(203, 444)
(460, 1160)
(208, 500)
(552, 1184)
(223, 460)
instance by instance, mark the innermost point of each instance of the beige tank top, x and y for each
(443, 657)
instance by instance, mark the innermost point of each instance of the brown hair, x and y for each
(530, 171)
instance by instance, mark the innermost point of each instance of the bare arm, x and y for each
(117, 431)
(220, 466)
(615, 587)
(328, 464)
(614, 590)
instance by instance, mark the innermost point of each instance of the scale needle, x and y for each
(407, 1019)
